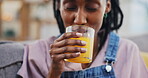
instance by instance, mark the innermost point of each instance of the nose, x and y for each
(80, 18)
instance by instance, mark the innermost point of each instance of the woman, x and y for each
(45, 58)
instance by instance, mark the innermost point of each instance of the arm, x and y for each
(54, 72)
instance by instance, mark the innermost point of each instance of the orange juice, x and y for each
(87, 56)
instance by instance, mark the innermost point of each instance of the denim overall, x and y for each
(104, 71)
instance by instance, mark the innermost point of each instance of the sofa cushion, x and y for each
(11, 57)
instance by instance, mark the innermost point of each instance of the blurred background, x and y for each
(23, 20)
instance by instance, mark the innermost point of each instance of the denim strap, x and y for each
(112, 48)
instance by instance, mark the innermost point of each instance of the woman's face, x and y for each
(84, 12)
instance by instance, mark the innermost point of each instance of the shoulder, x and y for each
(36, 58)
(127, 45)
(38, 48)
(127, 50)
(129, 60)
(41, 44)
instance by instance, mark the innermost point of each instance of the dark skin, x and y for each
(76, 12)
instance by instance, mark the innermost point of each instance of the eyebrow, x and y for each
(92, 0)
(85, 0)
(70, 0)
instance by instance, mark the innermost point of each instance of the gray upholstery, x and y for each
(11, 56)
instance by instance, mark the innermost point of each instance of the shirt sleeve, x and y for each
(138, 69)
(36, 60)
(129, 62)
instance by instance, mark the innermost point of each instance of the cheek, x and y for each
(67, 18)
(96, 21)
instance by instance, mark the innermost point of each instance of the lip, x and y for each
(81, 28)
(82, 25)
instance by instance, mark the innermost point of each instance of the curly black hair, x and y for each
(113, 21)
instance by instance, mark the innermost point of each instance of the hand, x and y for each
(60, 47)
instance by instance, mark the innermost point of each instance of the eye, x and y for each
(70, 6)
(91, 9)
(92, 6)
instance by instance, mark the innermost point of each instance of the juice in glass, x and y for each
(88, 37)
(87, 56)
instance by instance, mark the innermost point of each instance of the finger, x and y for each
(67, 42)
(69, 35)
(67, 50)
(64, 56)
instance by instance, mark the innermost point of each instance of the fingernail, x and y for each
(83, 42)
(83, 49)
(78, 53)
(79, 34)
